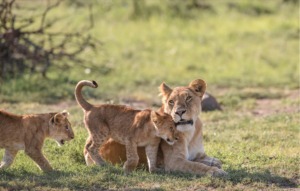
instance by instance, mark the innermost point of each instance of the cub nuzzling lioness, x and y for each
(127, 126)
(28, 132)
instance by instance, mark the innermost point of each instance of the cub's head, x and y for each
(60, 128)
(165, 127)
(183, 103)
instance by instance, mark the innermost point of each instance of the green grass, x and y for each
(247, 51)
(257, 152)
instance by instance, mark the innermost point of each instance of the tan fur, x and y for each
(127, 126)
(187, 154)
(28, 132)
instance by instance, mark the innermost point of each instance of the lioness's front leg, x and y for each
(132, 157)
(37, 155)
(175, 159)
(197, 145)
(210, 161)
(183, 165)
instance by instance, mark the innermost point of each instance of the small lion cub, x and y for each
(128, 126)
(28, 132)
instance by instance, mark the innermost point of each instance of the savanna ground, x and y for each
(248, 53)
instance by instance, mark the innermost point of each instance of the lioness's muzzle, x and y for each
(189, 122)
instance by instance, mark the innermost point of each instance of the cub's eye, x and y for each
(188, 98)
(67, 127)
(171, 102)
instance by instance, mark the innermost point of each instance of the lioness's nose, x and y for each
(180, 113)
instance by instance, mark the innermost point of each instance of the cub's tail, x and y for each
(80, 100)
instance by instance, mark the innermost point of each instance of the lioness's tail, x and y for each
(80, 100)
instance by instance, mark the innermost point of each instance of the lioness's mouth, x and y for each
(183, 122)
(62, 141)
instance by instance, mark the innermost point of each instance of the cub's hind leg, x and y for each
(88, 159)
(98, 135)
(8, 158)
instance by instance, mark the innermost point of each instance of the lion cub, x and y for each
(28, 132)
(128, 126)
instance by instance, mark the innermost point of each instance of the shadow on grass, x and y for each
(24, 180)
(104, 178)
(242, 176)
(90, 178)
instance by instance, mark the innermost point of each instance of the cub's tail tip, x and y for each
(95, 83)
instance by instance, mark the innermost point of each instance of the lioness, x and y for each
(128, 126)
(187, 154)
(28, 132)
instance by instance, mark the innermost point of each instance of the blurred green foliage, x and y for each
(230, 44)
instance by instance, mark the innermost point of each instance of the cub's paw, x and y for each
(216, 172)
(128, 167)
(156, 170)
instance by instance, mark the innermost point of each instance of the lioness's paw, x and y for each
(212, 162)
(216, 162)
(216, 172)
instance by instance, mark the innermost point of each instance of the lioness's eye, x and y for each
(67, 128)
(188, 98)
(171, 102)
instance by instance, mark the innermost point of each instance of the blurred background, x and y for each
(241, 48)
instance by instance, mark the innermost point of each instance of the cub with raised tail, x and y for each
(130, 127)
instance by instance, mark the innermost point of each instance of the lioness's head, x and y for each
(165, 127)
(183, 103)
(60, 128)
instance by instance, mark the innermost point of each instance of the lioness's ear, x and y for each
(58, 118)
(65, 113)
(165, 90)
(199, 86)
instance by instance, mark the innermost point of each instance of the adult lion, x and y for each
(187, 154)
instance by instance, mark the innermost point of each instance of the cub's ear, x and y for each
(199, 86)
(165, 90)
(154, 116)
(58, 118)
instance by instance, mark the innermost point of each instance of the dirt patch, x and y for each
(267, 107)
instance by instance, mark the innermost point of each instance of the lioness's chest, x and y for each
(192, 146)
(192, 152)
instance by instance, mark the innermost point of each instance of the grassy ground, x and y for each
(247, 51)
(258, 146)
